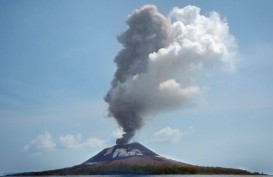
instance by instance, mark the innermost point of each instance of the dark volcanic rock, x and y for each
(118, 152)
(133, 158)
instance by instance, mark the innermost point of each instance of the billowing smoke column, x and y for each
(162, 61)
(148, 32)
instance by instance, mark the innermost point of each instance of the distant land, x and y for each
(135, 158)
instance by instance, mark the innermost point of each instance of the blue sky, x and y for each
(56, 65)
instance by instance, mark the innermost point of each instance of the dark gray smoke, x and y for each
(162, 61)
(147, 32)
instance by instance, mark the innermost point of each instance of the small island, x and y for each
(136, 159)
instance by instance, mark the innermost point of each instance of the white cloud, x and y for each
(190, 130)
(41, 142)
(173, 89)
(75, 141)
(168, 135)
(45, 142)
(118, 133)
(200, 45)
(93, 142)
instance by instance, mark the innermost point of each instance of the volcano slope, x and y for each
(133, 158)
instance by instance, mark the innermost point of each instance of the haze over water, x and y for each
(165, 175)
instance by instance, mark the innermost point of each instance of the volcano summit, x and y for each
(133, 158)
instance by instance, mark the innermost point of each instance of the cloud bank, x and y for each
(41, 142)
(46, 142)
(168, 135)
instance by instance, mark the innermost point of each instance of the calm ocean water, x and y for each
(163, 176)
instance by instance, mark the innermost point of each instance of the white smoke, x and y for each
(169, 76)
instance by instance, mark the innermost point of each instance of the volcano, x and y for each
(133, 158)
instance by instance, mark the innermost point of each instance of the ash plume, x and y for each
(162, 62)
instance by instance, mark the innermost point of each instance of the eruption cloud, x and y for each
(163, 60)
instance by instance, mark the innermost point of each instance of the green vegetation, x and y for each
(130, 168)
(161, 169)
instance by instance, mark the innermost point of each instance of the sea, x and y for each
(160, 176)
